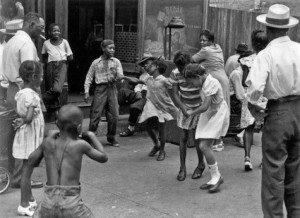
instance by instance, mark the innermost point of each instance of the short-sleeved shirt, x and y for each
(100, 69)
(189, 94)
(57, 52)
(19, 48)
(231, 64)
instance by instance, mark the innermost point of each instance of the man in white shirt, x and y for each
(276, 75)
(19, 49)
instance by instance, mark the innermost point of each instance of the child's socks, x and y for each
(215, 174)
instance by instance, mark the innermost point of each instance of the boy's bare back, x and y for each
(63, 156)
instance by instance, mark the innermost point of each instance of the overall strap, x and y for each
(59, 161)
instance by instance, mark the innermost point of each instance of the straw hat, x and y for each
(278, 16)
(11, 27)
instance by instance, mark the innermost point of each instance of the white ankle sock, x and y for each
(215, 174)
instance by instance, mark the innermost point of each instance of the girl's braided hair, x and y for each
(30, 68)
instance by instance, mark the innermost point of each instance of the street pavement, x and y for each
(133, 185)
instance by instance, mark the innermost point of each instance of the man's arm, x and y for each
(88, 81)
(95, 150)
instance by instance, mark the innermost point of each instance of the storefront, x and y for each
(137, 26)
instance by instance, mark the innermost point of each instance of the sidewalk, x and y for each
(133, 185)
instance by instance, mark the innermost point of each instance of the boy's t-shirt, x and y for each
(57, 52)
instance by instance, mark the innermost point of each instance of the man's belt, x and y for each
(284, 99)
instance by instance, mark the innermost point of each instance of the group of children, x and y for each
(191, 96)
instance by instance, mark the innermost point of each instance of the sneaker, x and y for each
(240, 141)
(25, 211)
(248, 164)
(218, 147)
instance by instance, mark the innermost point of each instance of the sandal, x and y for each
(126, 133)
(197, 173)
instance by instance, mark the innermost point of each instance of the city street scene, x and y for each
(148, 108)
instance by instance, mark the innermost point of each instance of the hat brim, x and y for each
(292, 22)
(241, 50)
(146, 59)
(3, 31)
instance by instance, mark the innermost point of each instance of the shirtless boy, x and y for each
(63, 154)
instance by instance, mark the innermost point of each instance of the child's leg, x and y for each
(162, 138)
(216, 179)
(150, 127)
(201, 165)
(248, 139)
(162, 135)
(182, 148)
(26, 192)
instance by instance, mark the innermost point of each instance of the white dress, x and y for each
(214, 122)
(29, 136)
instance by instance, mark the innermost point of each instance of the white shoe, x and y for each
(25, 211)
(218, 147)
(33, 204)
(248, 164)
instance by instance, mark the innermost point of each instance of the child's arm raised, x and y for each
(95, 151)
(202, 108)
(133, 80)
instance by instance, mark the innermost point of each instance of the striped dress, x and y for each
(190, 96)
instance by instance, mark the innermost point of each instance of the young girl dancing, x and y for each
(213, 121)
(159, 107)
(30, 125)
(186, 96)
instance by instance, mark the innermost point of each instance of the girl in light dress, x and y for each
(213, 121)
(30, 124)
(159, 107)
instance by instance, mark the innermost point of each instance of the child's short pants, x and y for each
(62, 202)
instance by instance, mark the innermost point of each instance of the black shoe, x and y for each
(113, 142)
(154, 150)
(206, 186)
(198, 172)
(181, 175)
(215, 187)
(161, 156)
(126, 133)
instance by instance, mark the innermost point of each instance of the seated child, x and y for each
(63, 152)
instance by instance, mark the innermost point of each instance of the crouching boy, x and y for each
(63, 152)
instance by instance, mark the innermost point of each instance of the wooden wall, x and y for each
(233, 26)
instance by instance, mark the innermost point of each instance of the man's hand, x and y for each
(86, 98)
(190, 112)
(139, 95)
(184, 111)
(17, 123)
(257, 112)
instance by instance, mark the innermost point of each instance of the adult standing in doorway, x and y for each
(21, 48)
(107, 71)
(275, 74)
